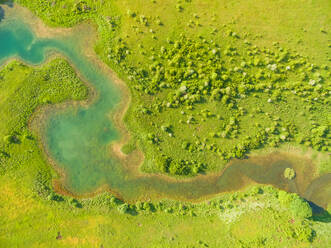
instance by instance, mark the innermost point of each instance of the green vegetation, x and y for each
(207, 85)
(28, 200)
(128, 148)
(22, 90)
(203, 91)
(298, 207)
(289, 173)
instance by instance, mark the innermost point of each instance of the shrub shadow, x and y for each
(319, 213)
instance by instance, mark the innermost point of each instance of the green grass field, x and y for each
(210, 81)
(200, 73)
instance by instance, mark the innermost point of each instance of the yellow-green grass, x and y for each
(30, 218)
(302, 26)
(26, 220)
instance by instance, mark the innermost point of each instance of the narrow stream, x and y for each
(78, 138)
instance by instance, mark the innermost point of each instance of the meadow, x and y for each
(209, 81)
(199, 78)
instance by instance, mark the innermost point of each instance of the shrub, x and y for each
(255, 190)
(139, 205)
(303, 233)
(163, 163)
(298, 206)
(54, 197)
(9, 139)
(115, 201)
(185, 145)
(26, 136)
(148, 206)
(131, 13)
(289, 173)
(179, 168)
(75, 203)
(179, 7)
(81, 7)
(4, 155)
(124, 208)
(166, 128)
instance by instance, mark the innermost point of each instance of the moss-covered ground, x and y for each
(210, 80)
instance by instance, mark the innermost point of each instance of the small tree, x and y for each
(289, 173)
(124, 208)
(9, 139)
(4, 154)
(298, 206)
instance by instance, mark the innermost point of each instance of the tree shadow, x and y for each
(132, 212)
(319, 213)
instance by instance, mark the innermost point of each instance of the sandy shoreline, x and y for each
(38, 26)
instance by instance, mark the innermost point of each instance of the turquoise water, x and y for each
(78, 138)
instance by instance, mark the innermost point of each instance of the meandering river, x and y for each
(78, 138)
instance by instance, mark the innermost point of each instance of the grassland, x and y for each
(33, 215)
(130, 34)
(23, 90)
(198, 77)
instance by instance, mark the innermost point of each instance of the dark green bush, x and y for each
(54, 197)
(124, 208)
(9, 139)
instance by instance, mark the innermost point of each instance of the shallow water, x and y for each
(78, 138)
